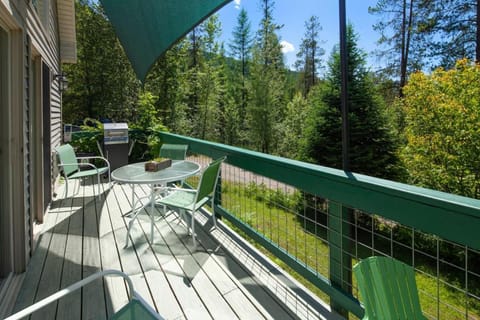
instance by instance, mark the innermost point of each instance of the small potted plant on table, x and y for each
(157, 164)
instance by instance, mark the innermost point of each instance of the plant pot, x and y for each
(153, 166)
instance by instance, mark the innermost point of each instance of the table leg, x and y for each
(152, 208)
(133, 195)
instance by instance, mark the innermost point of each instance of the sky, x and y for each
(293, 14)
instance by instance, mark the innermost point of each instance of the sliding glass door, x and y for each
(5, 219)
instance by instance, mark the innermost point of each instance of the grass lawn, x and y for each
(274, 215)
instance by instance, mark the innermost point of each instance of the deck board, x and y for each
(70, 306)
(83, 234)
(50, 281)
(93, 300)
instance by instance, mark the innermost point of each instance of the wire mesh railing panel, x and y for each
(288, 219)
(297, 222)
(321, 221)
(447, 274)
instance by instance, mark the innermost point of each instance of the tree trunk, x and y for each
(406, 37)
(477, 44)
(403, 64)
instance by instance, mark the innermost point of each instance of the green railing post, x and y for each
(340, 261)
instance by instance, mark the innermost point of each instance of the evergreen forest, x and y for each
(415, 121)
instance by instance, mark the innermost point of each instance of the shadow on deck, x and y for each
(225, 278)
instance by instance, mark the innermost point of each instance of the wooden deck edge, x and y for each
(291, 287)
(9, 293)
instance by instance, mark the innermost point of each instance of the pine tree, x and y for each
(166, 81)
(453, 26)
(372, 144)
(240, 49)
(309, 55)
(266, 84)
(403, 33)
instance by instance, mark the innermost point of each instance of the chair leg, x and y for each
(130, 223)
(183, 217)
(193, 230)
(213, 215)
(66, 189)
(77, 187)
(99, 181)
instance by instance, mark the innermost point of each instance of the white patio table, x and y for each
(135, 174)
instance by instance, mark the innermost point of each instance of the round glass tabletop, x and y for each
(135, 173)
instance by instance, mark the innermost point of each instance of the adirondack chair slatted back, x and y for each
(209, 179)
(388, 289)
(66, 154)
(173, 151)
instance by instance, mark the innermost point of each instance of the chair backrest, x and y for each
(209, 178)
(388, 289)
(173, 151)
(66, 154)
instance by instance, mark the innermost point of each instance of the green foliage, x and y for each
(146, 116)
(102, 84)
(309, 55)
(240, 49)
(442, 132)
(86, 142)
(402, 41)
(272, 197)
(451, 24)
(266, 84)
(292, 128)
(372, 145)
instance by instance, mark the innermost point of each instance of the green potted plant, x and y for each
(157, 164)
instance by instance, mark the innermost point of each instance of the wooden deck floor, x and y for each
(82, 235)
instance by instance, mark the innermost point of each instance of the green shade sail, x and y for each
(148, 28)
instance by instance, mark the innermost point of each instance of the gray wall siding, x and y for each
(45, 40)
(34, 37)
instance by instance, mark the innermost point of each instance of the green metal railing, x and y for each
(341, 217)
(320, 221)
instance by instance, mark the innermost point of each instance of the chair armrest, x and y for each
(77, 285)
(68, 164)
(95, 157)
(80, 164)
(94, 167)
(177, 189)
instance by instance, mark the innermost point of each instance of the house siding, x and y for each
(45, 39)
(34, 40)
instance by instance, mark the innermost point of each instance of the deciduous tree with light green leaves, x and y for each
(292, 128)
(442, 117)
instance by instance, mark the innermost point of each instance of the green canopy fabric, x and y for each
(148, 28)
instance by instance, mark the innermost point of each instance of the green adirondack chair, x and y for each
(192, 200)
(136, 308)
(388, 289)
